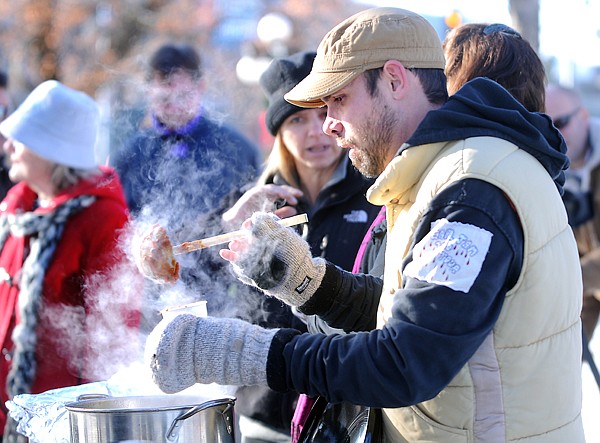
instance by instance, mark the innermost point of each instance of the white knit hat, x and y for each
(58, 123)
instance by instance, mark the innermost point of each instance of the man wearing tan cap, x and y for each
(473, 335)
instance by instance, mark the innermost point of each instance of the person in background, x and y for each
(582, 189)
(306, 173)
(5, 183)
(458, 342)
(180, 172)
(185, 158)
(60, 227)
(498, 52)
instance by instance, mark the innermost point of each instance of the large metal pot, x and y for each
(154, 419)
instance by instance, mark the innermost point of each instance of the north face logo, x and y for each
(357, 216)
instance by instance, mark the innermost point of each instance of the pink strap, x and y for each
(305, 403)
(366, 239)
(300, 415)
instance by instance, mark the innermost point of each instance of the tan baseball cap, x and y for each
(366, 41)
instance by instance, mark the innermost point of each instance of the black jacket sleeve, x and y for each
(346, 301)
(434, 329)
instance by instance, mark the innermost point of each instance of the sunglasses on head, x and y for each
(561, 122)
(500, 28)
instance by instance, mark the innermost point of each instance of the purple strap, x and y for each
(303, 407)
(366, 239)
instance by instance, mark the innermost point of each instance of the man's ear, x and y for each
(395, 77)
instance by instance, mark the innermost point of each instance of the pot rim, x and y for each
(187, 402)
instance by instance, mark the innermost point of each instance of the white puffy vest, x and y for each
(524, 382)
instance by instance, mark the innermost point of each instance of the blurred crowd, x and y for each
(69, 286)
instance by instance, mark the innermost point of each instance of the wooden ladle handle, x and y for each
(204, 243)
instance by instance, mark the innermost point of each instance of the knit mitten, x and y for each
(279, 262)
(187, 349)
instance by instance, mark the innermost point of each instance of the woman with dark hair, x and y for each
(498, 52)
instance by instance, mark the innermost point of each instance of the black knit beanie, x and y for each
(279, 78)
(173, 56)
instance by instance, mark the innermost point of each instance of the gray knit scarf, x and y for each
(45, 231)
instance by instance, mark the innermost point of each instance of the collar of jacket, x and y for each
(402, 173)
(183, 130)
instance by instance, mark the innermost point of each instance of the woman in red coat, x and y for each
(59, 236)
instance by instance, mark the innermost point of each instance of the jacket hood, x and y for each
(104, 186)
(484, 108)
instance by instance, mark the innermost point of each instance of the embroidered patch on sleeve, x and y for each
(451, 254)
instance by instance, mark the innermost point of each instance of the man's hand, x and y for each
(276, 260)
(187, 349)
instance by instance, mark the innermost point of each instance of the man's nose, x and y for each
(331, 126)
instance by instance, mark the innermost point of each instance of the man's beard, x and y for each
(372, 143)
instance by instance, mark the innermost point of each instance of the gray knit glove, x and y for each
(279, 262)
(187, 349)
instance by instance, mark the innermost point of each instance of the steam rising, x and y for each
(99, 341)
(101, 338)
